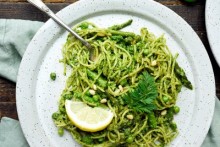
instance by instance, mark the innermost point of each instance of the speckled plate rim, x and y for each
(212, 22)
(198, 58)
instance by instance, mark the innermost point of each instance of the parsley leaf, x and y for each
(142, 98)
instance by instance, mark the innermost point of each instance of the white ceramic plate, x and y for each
(212, 18)
(37, 95)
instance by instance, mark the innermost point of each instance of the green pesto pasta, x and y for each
(115, 68)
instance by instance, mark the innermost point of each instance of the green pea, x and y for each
(176, 109)
(87, 93)
(129, 139)
(96, 98)
(60, 131)
(165, 99)
(53, 76)
(173, 126)
(55, 115)
(88, 98)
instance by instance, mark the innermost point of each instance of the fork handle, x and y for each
(40, 5)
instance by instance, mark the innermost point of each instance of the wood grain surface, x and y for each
(20, 9)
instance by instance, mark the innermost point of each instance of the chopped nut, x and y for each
(94, 87)
(164, 112)
(117, 91)
(120, 88)
(103, 101)
(130, 116)
(92, 92)
(154, 63)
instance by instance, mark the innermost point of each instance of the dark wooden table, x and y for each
(19, 9)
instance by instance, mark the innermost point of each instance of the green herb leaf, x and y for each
(142, 98)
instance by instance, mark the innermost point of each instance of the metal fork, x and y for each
(40, 5)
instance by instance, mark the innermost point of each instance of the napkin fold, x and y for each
(14, 38)
(15, 35)
(11, 134)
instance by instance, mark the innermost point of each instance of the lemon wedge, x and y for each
(87, 118)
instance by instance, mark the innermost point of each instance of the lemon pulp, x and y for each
(87, 118)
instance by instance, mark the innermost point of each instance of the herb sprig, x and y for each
(142, 98)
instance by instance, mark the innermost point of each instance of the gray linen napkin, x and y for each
(14, 38)
(11, 134)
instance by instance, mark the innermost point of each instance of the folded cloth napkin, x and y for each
(11, 134)
(14, 38)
